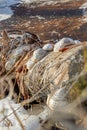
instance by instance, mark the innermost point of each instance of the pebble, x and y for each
(48, 47)
(30, 64)
(39, 54)
(77, 41)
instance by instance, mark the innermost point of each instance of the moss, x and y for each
(77, 88)
(81, 84)
(85, 58)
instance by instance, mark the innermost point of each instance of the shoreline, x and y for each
(49, 21)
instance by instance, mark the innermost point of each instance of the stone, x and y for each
(48, 47)
(39, 54)
(63, 43)
(56, 70)
(30, 64)
(14, 56)
(77, 41)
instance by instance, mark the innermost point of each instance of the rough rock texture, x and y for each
(15, 55)
(56, 69)
(63, 43)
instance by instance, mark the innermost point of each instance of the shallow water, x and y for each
(5, 9)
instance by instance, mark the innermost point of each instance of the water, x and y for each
(5, 5)
(5, 10)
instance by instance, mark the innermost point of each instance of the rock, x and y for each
(77, 41)
(39, 54)
(83, 7)
(56, 70)
(63, 43)
(19, 50)
(56, 100)
(14, 56)
(7, 103)
(30, 63)
(48, 47)
(29, 122)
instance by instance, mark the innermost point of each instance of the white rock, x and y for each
(15, 36)
(30, 64)
(19, 50)
(62, 43)
(84, 8)
(14, 56)
(77, 41)
(33, 123)
(5, 105)
(57, 100)
(29, 122)
(48, 47)
(39, 54)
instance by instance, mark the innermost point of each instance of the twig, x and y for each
(27, 101)
(16, 64)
